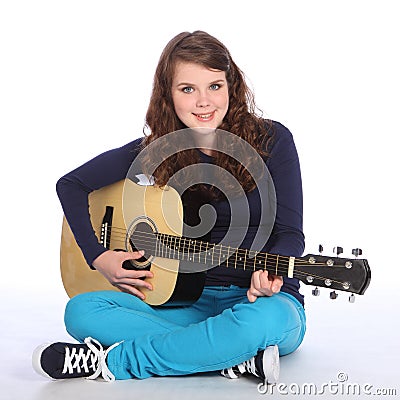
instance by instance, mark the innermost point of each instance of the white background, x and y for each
(75, 79)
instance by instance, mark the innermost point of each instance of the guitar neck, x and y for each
(200, 252)
(317, 270)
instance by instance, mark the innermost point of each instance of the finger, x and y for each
(134, 274)
(276, 283)
(252, 298)
(265, 285)
(135, 283)
(254, 292)
(131, 290)
(144, 273)
(255, 279)
(265, 281)
(256, 285)
(260, 285)
(133, 255)
(272, 283)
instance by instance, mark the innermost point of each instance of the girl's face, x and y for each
(200, 95)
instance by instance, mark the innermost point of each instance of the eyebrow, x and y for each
(192, 84)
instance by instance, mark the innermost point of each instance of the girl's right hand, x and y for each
(109, 264)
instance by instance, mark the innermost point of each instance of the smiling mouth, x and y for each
(205, 116)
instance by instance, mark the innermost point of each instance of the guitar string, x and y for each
(240, 264)
(201, 243)
(200, 248)
(241, 252)
(271, 266)
(247, 253)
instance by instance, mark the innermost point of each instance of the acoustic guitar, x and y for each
(128, 216)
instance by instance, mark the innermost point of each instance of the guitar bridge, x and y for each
(106, 225)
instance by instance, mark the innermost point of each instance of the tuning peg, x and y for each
(315, 292)
(333, 295)
(356, 252)
(352, 298)
(338, 250)
(320, 249)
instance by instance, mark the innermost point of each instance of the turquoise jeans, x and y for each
(220, 330)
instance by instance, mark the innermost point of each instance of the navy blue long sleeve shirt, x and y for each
(286, 237)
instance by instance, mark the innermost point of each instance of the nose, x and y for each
(203, 99)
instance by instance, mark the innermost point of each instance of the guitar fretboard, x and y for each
(201, 252)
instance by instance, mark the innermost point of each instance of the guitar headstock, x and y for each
(351, 275)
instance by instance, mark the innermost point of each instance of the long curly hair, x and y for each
(241, 119)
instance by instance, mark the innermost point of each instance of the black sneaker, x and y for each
(72, 360)
(264, 365)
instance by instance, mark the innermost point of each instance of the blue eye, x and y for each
(187, 89)
(215, 86)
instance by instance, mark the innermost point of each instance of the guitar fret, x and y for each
(157, 244)
(212, 255)
(276, 266)
(182, 248)
(185, 246)
(156, 249)
(236, 252)
(193, 249)
(178, 247)
(163, 245)
(169, 246)
(160, 244)
(200, 250)
(175, 246)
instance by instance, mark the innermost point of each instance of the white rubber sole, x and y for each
(271, 364)
(36, 357)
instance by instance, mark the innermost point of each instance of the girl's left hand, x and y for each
(263, 284)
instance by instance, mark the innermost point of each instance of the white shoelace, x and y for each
(248, 366)
(270, 367)
(96, 356)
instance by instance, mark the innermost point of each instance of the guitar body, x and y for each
(127, 202)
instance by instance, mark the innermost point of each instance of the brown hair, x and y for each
(241, 119)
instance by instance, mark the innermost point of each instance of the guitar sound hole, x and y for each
(142, 238)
